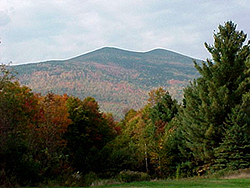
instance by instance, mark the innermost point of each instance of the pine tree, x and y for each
(234, 151)
(210, 99)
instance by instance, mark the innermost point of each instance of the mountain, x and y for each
(117, 79)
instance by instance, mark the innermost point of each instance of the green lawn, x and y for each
(188, 183)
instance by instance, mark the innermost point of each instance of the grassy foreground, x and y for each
(187, 183)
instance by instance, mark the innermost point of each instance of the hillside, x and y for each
(117, 79)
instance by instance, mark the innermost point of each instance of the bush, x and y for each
(130, 176)
(90, 178)
(71, 179)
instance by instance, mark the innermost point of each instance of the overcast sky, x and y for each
(38, 30)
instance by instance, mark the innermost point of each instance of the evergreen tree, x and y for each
(210, 99)
(234, 151)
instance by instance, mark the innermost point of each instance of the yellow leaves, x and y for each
(160, 143)
(156, 95)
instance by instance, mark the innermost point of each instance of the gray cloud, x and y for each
(55, 29)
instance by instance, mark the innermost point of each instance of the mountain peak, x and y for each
(113, 76)
(115, 50)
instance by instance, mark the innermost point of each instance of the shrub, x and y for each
(90, 178)
(72, 179)
(130, 176)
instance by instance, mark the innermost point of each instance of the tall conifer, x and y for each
(210, 99)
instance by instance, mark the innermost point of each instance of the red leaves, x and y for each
(160, 127)
(54, 120)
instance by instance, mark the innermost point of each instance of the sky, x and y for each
(40, 30)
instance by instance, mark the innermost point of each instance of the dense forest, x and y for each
(118, 79)
(64, 140)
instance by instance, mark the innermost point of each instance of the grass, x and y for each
(186, 183)
(222, 179)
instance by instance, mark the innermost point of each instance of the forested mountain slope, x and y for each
(117, 79)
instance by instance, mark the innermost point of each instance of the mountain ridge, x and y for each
(118, 79)
(156, 51)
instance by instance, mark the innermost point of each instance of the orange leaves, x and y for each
(156, 95)
(54, 120)
(42, 119)
(160, 127)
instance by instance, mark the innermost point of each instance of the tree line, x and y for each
(64, 139)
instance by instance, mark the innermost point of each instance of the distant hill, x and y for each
(117, 79)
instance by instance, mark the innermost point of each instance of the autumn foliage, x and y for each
(64, 140)
(42, 136)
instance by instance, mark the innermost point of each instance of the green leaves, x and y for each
(88, 133)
